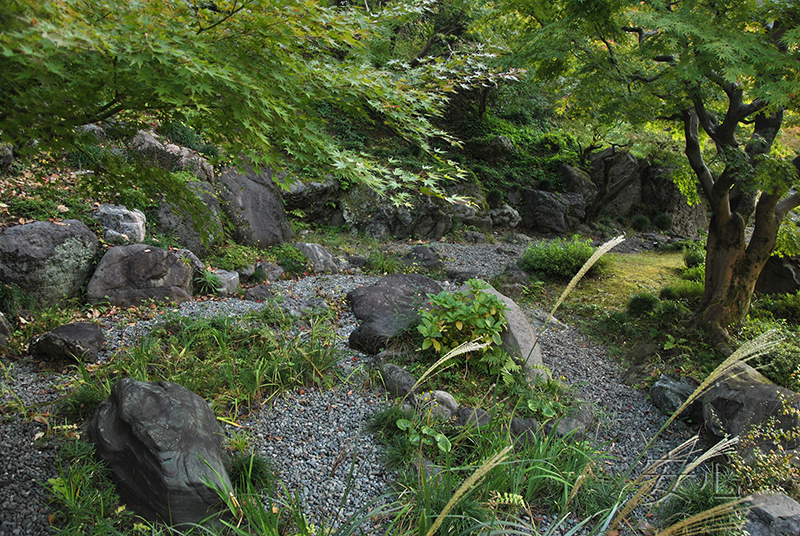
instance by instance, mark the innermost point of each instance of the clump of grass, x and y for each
(642, 303)
(381, 263)
(559, 258)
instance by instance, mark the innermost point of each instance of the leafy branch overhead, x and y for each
(251, 75)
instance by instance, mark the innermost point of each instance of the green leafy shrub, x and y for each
(290, 259)
(671, 313)
(695, 273)
(560, 258)
(640, 223)
(786, 306)
(642, 303)
(693, 256)
(663, 222)
(464, 316)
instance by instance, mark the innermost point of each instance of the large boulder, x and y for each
(320, 258)
(122, 226)
(772, 514)
(253, 203)
(50, 261)
(496, 149)
(78, 340)
(505, 216)
(743, 399)
(471, 215)
(364, 210)
(662, 196)
(163, 446)
(670, 392)
(316, 199)
(578, 181)
(151, 151)
(552, 213)
(129, 275)
(779, 276)
(388, 308)
(624, 166)
(173, 221)
(519, 338)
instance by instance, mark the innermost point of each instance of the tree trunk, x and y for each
(732, 268)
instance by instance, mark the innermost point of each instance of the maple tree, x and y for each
(720, 75)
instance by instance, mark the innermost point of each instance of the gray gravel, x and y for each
(314, 438)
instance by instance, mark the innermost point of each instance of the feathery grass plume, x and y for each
(599, 252)
(464, 348)
(644, 490)
(723, 448)
(468, 484)
(699, 523)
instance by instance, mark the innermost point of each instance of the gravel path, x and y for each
(312, 437)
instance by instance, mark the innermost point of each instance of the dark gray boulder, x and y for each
(388, 308)
(122, 226)
(163, 446)
(742, 399)
(253, 204)
(772, 514)
(5, 330)
(421, 257)
(779, 276)
(473, 417)
(366, 211)
(173, 221)
(129, 275)
(79, 340)
(397, 381)
(473, 216)
(50, 261)
(505, 216)
(259, 293)
(552, 213)
(496, 149)
(670, 392)
(317, 199)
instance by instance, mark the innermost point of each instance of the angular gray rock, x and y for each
(321, 259)
(129, 275)
(79, 340)
(743, 398)
(174, 222)
(397, 381)
(163, 445)
(552, 213)
(473, 417)
(315, 198)
(670, 392)
(122, 226)
(772, 514)
(253, 204)
(170, 157)
(5, 330)
(472, 216)
(779, 276)
(50, 261)
(519, 338)
(505, 217)
(229, 282)
(494, 149)
(259, 293)
(388, 308)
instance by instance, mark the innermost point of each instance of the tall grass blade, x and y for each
(599, 252)
(468, 484)
(699, 523)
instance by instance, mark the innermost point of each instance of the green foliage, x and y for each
(83, 496)
(640, 223)
(208, 283)
(788, 241)
(259, 72)
(687, 291)
(786, 306)
(232, 363)
(185, 136)
(251, 472)
(663, 222)
(463, 316)
(13, 299)
(560, 258)
(642, 303)
(693, 257)
(289, 258)
(695, 495)
(381, 263)
(763, 461)
(230, 255)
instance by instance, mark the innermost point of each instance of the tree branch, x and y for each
(695, 155)
(230, 14)
(449, 26)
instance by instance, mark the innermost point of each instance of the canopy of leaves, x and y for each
(251, 75)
